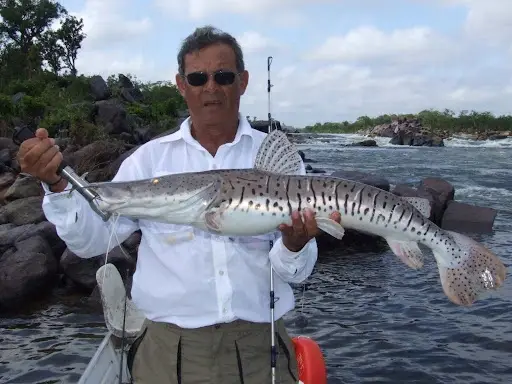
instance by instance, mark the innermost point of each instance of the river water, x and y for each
(376, 320)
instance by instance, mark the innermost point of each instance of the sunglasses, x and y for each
(198, 79)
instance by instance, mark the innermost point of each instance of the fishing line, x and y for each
(114, 234)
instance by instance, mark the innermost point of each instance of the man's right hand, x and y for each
(40, 157)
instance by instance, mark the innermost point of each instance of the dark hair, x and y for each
(204, 37)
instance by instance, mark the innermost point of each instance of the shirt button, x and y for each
(221, 273)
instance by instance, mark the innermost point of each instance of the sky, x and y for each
(333, 60)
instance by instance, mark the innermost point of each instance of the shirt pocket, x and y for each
(166, 234)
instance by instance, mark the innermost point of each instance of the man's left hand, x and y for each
(297, 235)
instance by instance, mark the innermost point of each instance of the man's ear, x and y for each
(244, 81)
(181, 84)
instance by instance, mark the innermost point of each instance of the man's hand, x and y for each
(297, 235)
(40, 157)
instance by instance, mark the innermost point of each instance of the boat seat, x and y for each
(113, 292)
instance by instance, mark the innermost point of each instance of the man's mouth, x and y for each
(212, 103)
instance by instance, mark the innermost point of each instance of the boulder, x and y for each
(435, 213)
(28, 270)
(409, 132)
(463, 217)
(364, 143)
(363, 177)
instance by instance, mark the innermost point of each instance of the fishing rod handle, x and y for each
(24, 133)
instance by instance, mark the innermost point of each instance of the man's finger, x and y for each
(41, 133)
(336, 216)
(53, 164)
(46, 158)
(297, 224)
(310, 223)
(34, 154)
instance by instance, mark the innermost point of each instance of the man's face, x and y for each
(210, 102)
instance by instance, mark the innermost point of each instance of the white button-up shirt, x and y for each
(186, 276)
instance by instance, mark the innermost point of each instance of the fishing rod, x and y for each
(273, 351)
(22, 133)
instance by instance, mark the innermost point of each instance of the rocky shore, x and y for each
(411, 132)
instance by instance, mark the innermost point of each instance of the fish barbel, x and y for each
(251, 202)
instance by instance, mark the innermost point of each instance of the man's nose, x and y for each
(211, 84)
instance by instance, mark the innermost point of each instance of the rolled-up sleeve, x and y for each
(84, 232)
(293, 267)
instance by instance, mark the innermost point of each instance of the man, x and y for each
(206, 299)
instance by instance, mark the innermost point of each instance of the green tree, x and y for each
(71, 36)
(443, 122)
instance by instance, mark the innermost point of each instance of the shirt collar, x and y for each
(183, 133)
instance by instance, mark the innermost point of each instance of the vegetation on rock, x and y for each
(445, 123)
(40, 85)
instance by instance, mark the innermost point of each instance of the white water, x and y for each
(328, 139)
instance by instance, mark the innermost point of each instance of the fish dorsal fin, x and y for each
(278, 155)
(420, 203)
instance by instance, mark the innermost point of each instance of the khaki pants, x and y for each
(234, 353)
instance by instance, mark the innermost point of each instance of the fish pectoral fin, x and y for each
(212, 221)
(420, 203)
(408, 252)
(278, 155)
(331, 227)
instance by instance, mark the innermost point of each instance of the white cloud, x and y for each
(109, 34)
(201, 9)
(105, 24)
(369, 43)
(108, 62)
(255, 42)
(490, 20)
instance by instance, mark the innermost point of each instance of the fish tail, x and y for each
(467, 269)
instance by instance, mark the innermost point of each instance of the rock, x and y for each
(5, 157)
(442, 190)
(305, 159)
(111, 114)
(102, 153)
(99, 88)
(82, 271)
(497, 137)
(10, 233)
(24, 211)
(407, 132)
(27, 271)
(416, 139)
(364, 143)
(6, 179)
(128, 91)
(46, 230)
(24, 186)
(436, 213)
(310, 169)
(462, 217)
(362, 177)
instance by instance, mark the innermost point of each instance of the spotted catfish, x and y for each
(250, 202)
